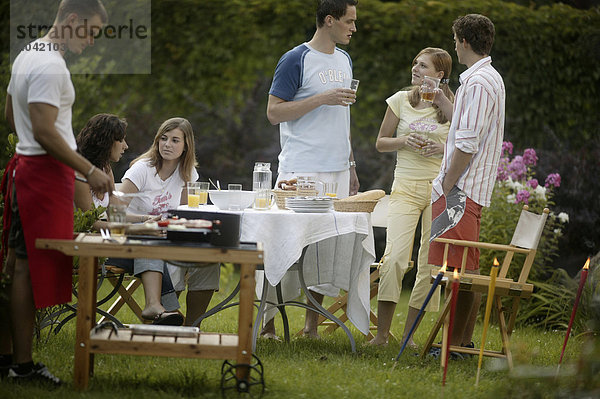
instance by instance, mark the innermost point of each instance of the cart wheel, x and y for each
(231, 383)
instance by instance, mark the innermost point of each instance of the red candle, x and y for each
(584, 273)
(455, 285)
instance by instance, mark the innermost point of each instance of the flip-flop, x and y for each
(168, 319)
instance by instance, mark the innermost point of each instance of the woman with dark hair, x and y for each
(101, 141)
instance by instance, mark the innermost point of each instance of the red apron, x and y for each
(45, 189)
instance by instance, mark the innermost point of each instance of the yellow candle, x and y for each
(488, 310)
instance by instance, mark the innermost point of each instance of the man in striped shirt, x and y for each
(473, 148)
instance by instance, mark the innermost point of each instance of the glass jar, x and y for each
(262, 176)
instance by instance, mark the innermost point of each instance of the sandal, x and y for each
(168, 319)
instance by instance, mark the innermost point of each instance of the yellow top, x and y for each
(410, 164)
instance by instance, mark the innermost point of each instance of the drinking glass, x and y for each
(330, 189)
(428, 88)
(263, 199)
(197, 194)
(117, 218)
(351, 84)
(235, 196)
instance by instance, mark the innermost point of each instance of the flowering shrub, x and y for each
(518, 185)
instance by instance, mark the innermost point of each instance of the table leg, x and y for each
(320, 309)
(284, 318)
(260, 312)
(86, 312)
(247, 285)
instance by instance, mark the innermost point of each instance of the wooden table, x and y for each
(204, 345)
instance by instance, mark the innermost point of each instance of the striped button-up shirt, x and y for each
(477, 128)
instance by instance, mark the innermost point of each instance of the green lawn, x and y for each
(319, 369)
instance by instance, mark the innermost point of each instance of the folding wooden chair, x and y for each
(378, 219)
(524, 241)
(116, 276)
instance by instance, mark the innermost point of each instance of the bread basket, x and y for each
(354, 206)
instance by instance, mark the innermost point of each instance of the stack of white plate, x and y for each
(309, 204)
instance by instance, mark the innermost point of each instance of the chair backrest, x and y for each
(527, 236)
(380, 213)
(529, 229)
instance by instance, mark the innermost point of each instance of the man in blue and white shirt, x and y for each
(309, 102)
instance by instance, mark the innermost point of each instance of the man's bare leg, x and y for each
(22, 309)
(268, 329)
(312, 318)
(197, 302)
(467, 337)
(385, 315)
(462, 316)
(6, 344)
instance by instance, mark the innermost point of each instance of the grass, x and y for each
(323, 368)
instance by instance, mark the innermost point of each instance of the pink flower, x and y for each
(533, 183)
(553, 180)
(522, 196)
(507, 146)
(530, 157)
(517, 168)
(503, 169)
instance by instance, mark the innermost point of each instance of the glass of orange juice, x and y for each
(197, 194)
(330, 189)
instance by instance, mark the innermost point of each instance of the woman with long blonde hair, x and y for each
(160, 176)
(416, 130)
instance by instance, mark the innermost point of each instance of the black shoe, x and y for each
(39, 373)
(468, 355)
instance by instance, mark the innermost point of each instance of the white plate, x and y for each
(309, 210)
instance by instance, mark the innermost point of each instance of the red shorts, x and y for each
(466, 229)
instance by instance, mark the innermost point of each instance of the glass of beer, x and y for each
(428, 88)
(117, 218)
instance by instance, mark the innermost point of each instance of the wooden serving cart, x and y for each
(91, 340)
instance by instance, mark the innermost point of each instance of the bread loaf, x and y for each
(371, 195)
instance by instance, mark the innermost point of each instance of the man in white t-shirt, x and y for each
(38, 106)
(308, 101)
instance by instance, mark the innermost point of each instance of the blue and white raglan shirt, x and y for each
(318, 141)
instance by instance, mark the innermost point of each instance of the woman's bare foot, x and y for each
(411, 345)
(269, 335)
(149, 313)
(378, 341)
(311, 333)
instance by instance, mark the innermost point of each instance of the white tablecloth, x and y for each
(340, 250)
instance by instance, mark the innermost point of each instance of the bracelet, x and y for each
(352, 164)
(92, 169)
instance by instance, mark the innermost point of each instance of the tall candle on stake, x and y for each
(488, 310)
(434, 285)
(584, 274)
(455, 285)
